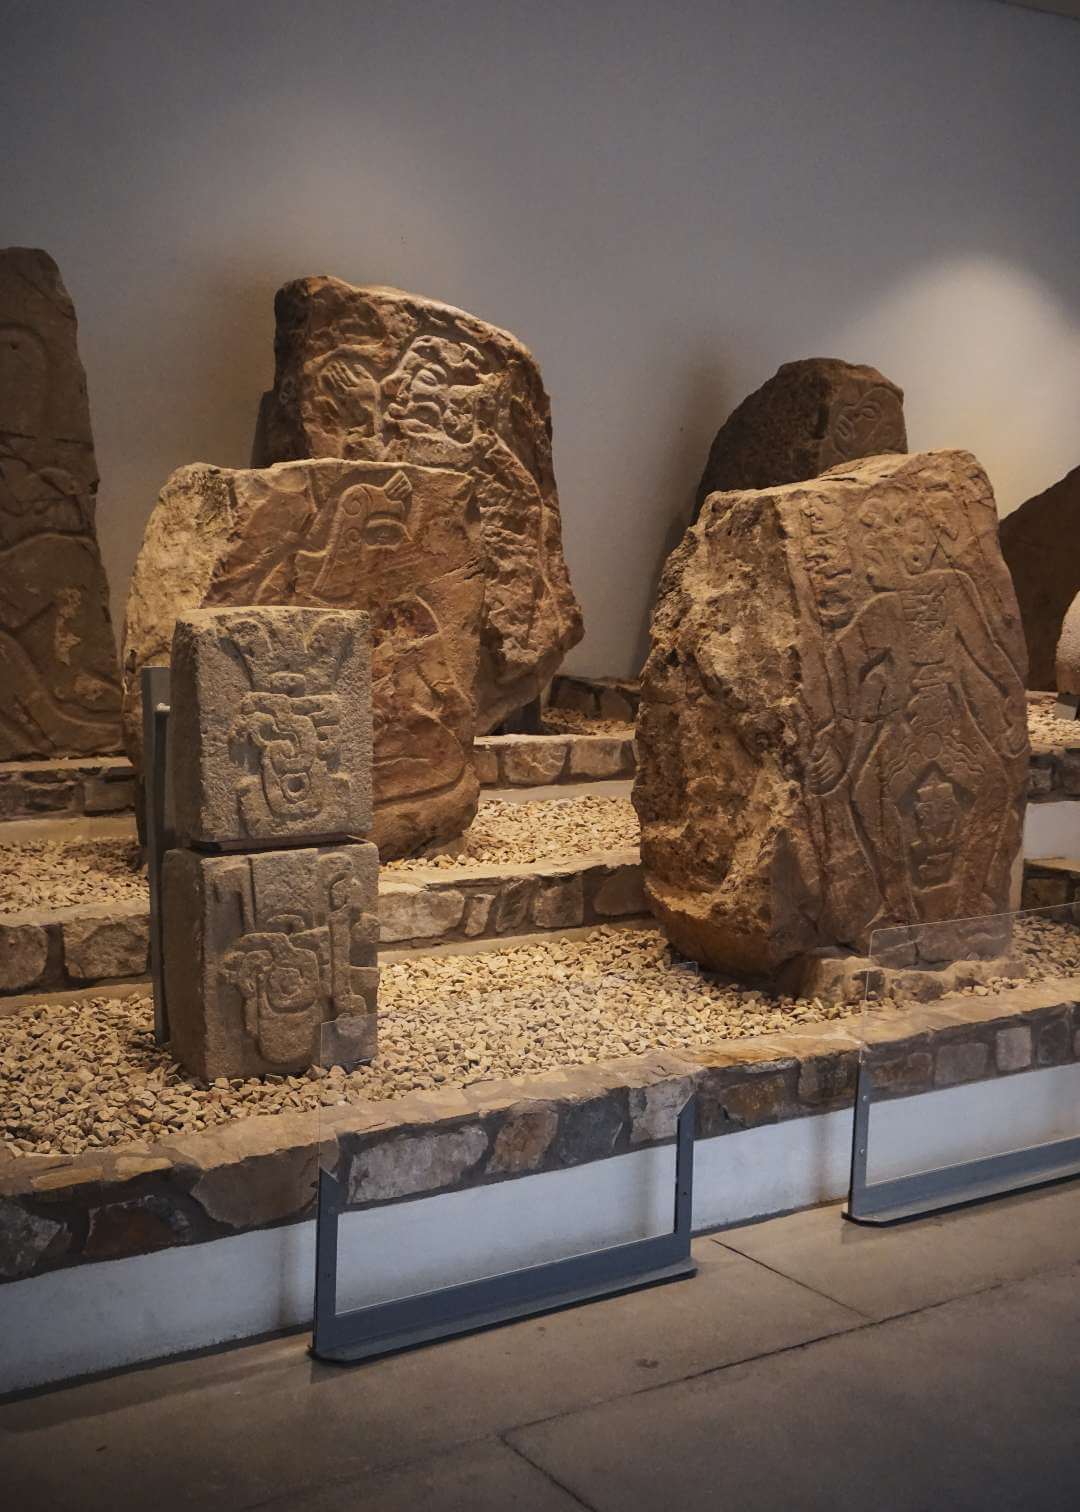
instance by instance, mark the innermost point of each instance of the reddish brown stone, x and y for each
(61, 693)
(1036, 542)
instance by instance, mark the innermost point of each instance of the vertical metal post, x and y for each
(155, 712)
(860, 1134)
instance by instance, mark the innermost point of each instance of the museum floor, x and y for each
(809, 1365)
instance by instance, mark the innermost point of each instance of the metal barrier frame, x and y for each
(383, 1328)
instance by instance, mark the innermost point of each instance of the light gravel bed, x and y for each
(1048, 733)
(508, 833)
(556, 721)
(88, 1075)
(49, 874)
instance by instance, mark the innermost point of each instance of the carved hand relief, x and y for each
(57, 656)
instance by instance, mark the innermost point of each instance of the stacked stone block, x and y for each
(270, 900)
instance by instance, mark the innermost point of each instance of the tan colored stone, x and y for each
(24, 951)
(404, 1166)
(559, 904)
(810, 416)
(379, 374)
(61, 692)
(598, 757)
(477, 914)
(401, 543)
(411, 912)
(117, 945)
(262, 951)
(270, 725)
(486, 762)
(532, 761)
(1067, 655)
(621, 894)
(512, 905)
(654, 1111)
(1036, 542)
(524, 1140)
(833, 730)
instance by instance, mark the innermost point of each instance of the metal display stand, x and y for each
(155, 717)
(882, 1202)
(387, 1327)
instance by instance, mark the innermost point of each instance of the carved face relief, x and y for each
(434, 389)
(829, 563)
(368, 520)
(867, 423)
(937, 816)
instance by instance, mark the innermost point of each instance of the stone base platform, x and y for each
(62, 787)
(260, 1172)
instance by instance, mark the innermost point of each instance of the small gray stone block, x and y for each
(96, 949)
(961, 1063)
(24, 953)
(1012, 1048)
(261, 951)
(270, 725)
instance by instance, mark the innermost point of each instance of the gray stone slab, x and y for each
(263, 951)
(270, 725)
(264, 1421)
(966, 1407)
(884, 1271)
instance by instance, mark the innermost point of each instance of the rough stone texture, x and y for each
(810, 416)
(107, 942)
(378, 374)
(1037, 544)
(411, 912)
(57, 656)
(401, 543)
(25, 1238)
(261, 951)
(614, 698)
(24, 950)
(423, 1163)
(1067, 655)
(533, 761)
(524, 1140)
(1012, 1048)
(833, 729)
(270, 725)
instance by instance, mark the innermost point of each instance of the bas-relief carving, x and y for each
(292, 721)
(380, 375)
(380, 539)
(57, 658)
(863, 422)
(915, 716)
(293, 968)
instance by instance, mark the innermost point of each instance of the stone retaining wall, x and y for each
(58, 1211)
(109, 942)
(537, 760)
(597, 697)
(60, 788)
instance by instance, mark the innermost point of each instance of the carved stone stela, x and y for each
(1037, 541)
(401, 543)
(833, 733)
(811, 415)
(380, 375)
(263, 950)
(271, 725)
(57, 657)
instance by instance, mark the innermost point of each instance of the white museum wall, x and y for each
(665, 201)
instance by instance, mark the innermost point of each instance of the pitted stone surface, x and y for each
(401, 543)
(1037, 543)
(24, 950)
(57, 656)
(1067, 656)
(810, 416)
(270, 724)
(833, 733)
(264, 950)
(378, 374)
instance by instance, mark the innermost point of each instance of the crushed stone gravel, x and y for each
(88, 1075)
(60, 874)
(556, 721)
(1048, 733)
(507, 833)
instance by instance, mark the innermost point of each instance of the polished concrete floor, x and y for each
(809, 1365)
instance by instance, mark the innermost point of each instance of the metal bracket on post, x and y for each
(882, 1202)
(155, 716)
(387, 1327)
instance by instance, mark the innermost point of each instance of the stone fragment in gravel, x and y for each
(60, 874)
(88, 1075)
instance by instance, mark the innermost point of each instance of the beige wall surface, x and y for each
(664, 200)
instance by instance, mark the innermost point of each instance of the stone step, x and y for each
(55, 950)
(526, 761)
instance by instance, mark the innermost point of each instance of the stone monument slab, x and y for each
(400, 543)
(270, 725)
(58, 664)
(1038, 544)
(263, 951)
(381, 375)
(833, 731)
(811, 415)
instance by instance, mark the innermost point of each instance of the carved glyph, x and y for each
(381, 375)
(854, 751)
(57, 657)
